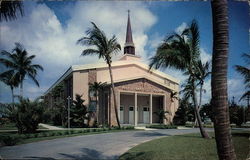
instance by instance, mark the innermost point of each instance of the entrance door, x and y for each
(145, 114)
(121, 114)
(131, 115)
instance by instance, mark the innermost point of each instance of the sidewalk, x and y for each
(49, 127)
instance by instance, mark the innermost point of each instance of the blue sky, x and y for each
(50, 30)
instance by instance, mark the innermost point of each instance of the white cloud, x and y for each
(54, 44)
(180, 28)
(205, 57)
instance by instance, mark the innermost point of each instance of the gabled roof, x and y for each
(75, 68)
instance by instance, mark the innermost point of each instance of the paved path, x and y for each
(50, 127)
(99, 146)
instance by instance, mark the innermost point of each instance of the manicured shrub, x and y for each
(36, 135)
(79, 131)
(10, 140)
(50, 134)
(45, 134)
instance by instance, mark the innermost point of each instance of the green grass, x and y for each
(12, 138)
(186, 147)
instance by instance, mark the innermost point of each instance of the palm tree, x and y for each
(162, 115)
(245, 72)
(10, 80)
(225, 148)
(96, 87)
(20, 64)
(9, 9)
(181, 51)
(203, 73)
(104, 48)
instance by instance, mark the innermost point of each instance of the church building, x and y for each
(140, 93)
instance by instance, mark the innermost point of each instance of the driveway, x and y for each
(98, 146)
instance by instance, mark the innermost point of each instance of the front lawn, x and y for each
(186, 147)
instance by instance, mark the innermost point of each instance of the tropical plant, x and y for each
(78, 112)
(104, 48)
(20, 64)
(10, 80)
(26, 115)
(245, 72)
(97, 87)
(9, 10)
(181, 51)
(162, 115)
(225, 148)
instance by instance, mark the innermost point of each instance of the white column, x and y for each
(150, 109)
(164, 108)
(135, 110)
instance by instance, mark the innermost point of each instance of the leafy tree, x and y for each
(184, 113)
(20, 64)
(181, 51)
(207, 109)
(104, 48)
(225, 148)
(9, 10)
(26, 115)
(78, 112)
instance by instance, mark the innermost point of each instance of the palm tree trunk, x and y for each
(97, 106)
(225, 148)
(114, 95)
(21, 89)
(201, 88)
(12, 93)
(202, 130)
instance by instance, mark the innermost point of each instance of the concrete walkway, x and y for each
(98, 146)
(50, 127)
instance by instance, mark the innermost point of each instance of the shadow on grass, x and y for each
(243, 134)
(88, 154)
(198, 136)
(149, 134)
(133, 155)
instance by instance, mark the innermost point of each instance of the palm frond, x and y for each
(246, 57)
(9, 10)
(33, 77)
(245, 72)
(245, 95)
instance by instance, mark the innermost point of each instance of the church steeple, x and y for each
(129, 47)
